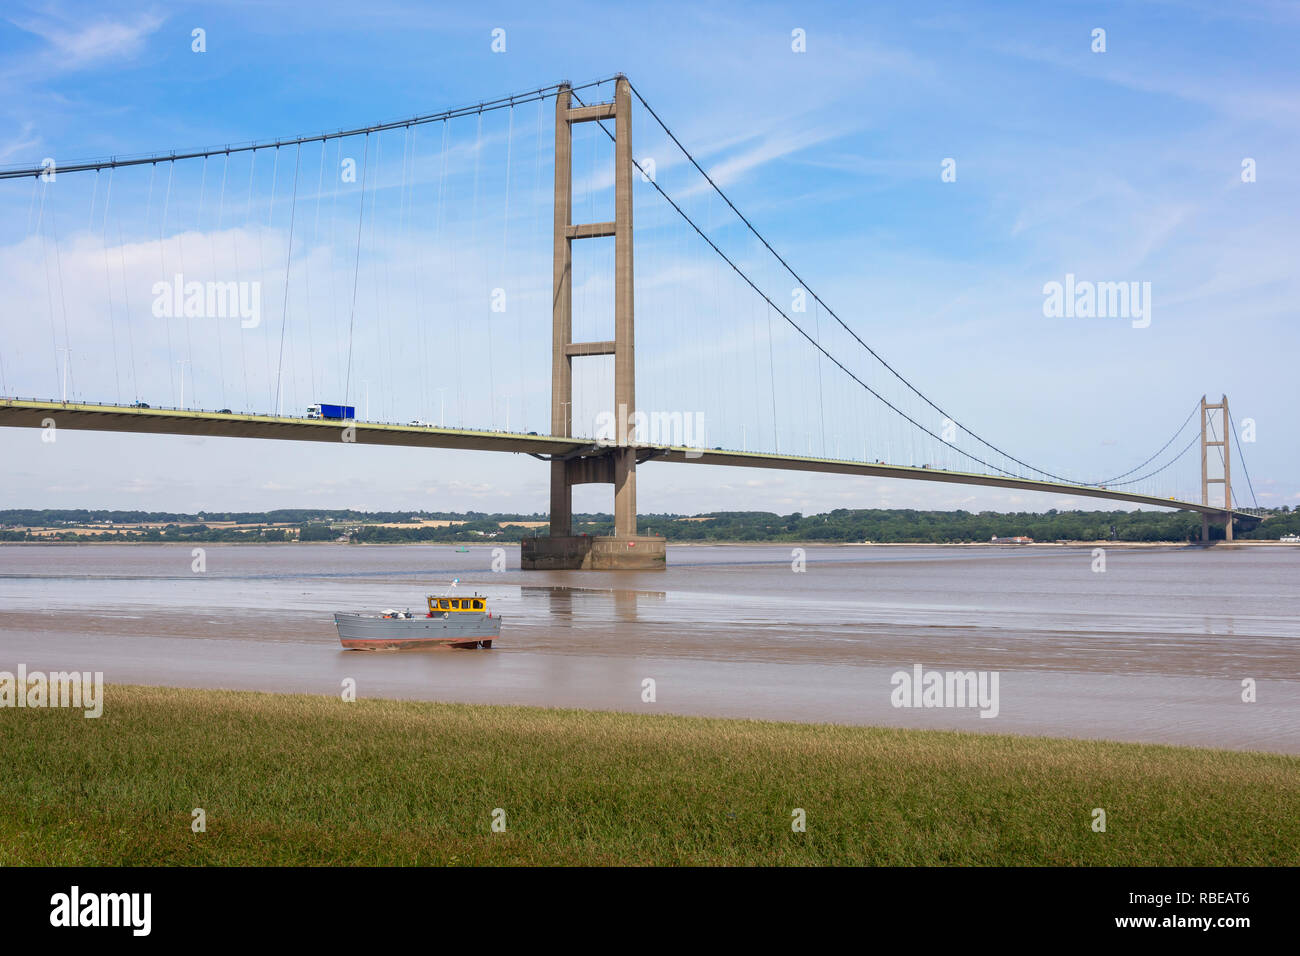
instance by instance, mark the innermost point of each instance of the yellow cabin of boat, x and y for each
(452, 605)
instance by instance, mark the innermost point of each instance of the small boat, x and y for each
(463, 622)
(460, 549)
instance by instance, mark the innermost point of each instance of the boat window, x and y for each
(455, 605)
(478, 605)
(443, 604)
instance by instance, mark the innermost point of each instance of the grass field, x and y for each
(314, 780)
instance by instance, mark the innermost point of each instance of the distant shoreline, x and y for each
(1241, 543)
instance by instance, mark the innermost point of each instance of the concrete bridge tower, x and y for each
(1206, 444)
(605, 463)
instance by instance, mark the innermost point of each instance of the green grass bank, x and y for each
(314, 780)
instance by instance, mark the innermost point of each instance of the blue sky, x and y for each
(1115, 166)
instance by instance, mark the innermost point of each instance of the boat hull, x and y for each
(367, 633)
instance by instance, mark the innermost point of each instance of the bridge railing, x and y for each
(139, 406)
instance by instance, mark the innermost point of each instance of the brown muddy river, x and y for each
(1155, 648)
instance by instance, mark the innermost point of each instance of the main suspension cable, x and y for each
(845, 326)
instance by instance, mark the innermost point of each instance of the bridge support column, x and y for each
(1225, 452)
(624, 341)
(625, 549)
(562, 315)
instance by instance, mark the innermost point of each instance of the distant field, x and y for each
(42, 531)
(314, 780)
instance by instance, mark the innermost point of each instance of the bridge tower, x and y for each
(610, 464)
(1206, 444)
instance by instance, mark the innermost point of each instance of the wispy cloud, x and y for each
(771, 147)
(22, 145)
(73, 46)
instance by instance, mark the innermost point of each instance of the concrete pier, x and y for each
(594, 553)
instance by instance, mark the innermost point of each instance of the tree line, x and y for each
(887, 526)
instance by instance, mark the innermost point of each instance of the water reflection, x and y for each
(558, 602)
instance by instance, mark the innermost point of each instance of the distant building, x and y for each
(1290, 538)
(1018, 539)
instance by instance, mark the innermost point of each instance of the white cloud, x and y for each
(73, 46)
(23, 145)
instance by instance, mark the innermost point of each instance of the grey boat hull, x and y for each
(371, 632)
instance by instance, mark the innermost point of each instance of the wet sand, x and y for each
(1154, 649)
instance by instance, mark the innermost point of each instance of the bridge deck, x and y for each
(172, 421)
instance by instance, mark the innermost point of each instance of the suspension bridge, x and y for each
(206, 291)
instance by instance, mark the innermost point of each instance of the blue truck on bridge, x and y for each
(340, 412)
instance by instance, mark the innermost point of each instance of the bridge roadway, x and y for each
(173, 421)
